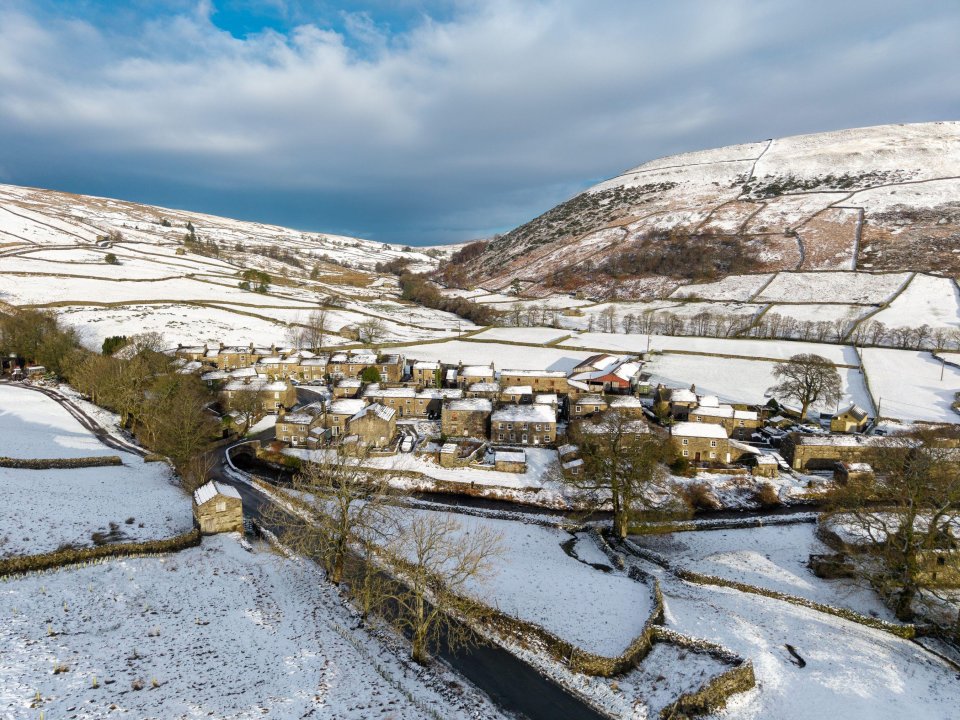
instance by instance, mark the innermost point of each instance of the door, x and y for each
(697, 458)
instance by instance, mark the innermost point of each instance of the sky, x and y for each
(427, 122)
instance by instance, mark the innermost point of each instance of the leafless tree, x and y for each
(248, 405)
(371, 331)
(438, 562)
(622, 462)
(346, 507)
(808, 379)
(907, 516)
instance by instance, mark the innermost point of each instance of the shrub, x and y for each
(699, 496)
(111, 259)
(766, 496)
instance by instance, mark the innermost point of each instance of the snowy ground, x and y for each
(44, 509)
(522, 334)
(503, 356)
(34, 426)
(934, 301)
(908, 387)
(841, 287)
(773, 557)
(746, 348)
(211, 631)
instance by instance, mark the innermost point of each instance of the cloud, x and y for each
(454, 126)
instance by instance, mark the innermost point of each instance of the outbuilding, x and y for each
(217, 508)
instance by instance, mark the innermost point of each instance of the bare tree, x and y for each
(438, 563)
(371, 331)
(622, 462)
(315, 333)
(808, 379)
(248, 405)
(347, 507)
(907, 518)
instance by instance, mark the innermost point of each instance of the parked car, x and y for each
(407, 444)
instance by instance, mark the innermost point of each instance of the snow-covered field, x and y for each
(746, 348)
(209, 632)
(502, 356)
(930, 300)
(773, 557)
(734, 288)
(44, 509)
(838, 287)
(34, 426)
(537, 581)
(816, 312)
(523, 334)
(908, 387)
(741, 380)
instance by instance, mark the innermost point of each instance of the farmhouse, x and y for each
(513, 461)
(588, 405)
(517, 394)
(295, 428)
(273, 395)
(852, 420)
(425, 374)
(489, 390)
(701, 442)
(607, 373)
(217, 508)
(339, 414)
(347, 388)
(524, 424)
(627, 405)
(374, 425)
(466, 418)
(738, 423)
(471, 374)
(821, 452)
(550, 381)
(401, 399)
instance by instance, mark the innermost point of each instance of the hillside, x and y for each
(885, 198)
(112, 267)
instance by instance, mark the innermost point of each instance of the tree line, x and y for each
(166, 410)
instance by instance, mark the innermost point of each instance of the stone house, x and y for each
(401, 399)
(217, 508)
(338, 415)
(627, 405)
(374, 425)
(466, 418)
(273, 394)
(821, 452)
(429, 402)
(587, 405)
(548, 381)
(489, 390)
(231, 358)
(852, 420)
(701, 442)
(190, 353)
(295, 428)
(844, 472)
(424, 374)
(517, 394)
(392, 367)
(739, 424)
(607, 373)
(524, 425)
(511, 461)
(347, 388)
(468, 375)
(315, 368)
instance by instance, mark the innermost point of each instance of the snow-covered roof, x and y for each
(206, 493)
(524, 413)
(724, 411)
(535, 373)
(258, 383)
(577, 385)
(381, 411)
(683, 395)
(626, 401)
(471, 405)
(396, 392)
(426, 365)
(516, 456)
(567, 450)
(315, 361)
(570, 464)
(484, 387)
(297, 418)
(518, 390)
(546, 398)
(698, 430)
(854, 411)
(844, 440)
(243, 372)
(193, 349)
(476, 371)
(592, 399)
(350, 383)
(440, 393)
(633, 427)
(709, 401)
(448, 448)
(347, 406)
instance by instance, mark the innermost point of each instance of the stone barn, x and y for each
(217, 508)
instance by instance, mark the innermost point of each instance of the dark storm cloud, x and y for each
(437, 128)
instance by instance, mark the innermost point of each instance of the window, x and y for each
(686, 453)
(512, 437)
(579, 408)
(221, 506)
(685, 441)
(500, 436)
(596, 408)
(538, 428)
(713, 443)
(276, 396)
(524, 439)
(712, 455)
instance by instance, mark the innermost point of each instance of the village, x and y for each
(478, 417)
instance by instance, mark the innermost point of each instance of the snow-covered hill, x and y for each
(150, 273)
(883, 198)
